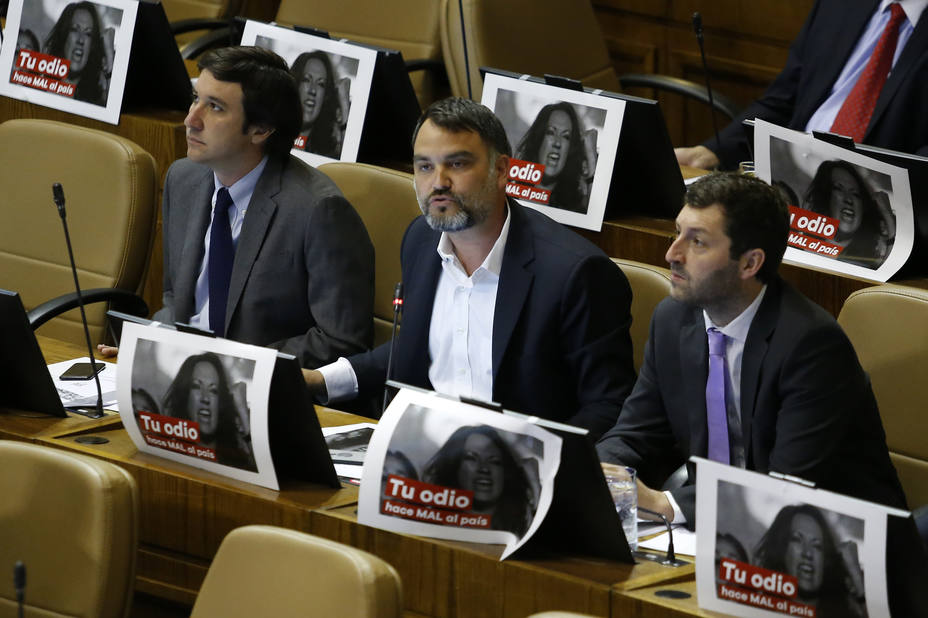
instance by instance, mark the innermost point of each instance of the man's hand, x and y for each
(648, 498)
(107, 351)
(316, 384)
(697, 156)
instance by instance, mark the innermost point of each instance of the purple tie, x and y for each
(716, 413)
(221, 255)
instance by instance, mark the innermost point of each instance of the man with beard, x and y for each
(743, 369)
(501, 303)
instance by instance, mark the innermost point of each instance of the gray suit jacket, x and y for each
(303, 276)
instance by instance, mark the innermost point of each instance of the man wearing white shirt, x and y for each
(501, 303)
(791, 396)
(826, 61)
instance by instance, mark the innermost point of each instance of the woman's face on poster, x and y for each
(312, 90)
(805, 554)
(482, 469)
(556, 144)
(77, 43)
(847, 204)
(203, 403)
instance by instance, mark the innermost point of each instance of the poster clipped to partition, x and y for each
(440, 468)
(334, 82)
(71, 56)
(564, 146)
(849, 213)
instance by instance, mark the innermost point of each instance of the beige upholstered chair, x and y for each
(182, 12)
(270, 571)
(559, 37)
(386, 201)
(410, 26)
(560, 614)
(73, 521)
(888, 325)
(650, 284)
(109, 186)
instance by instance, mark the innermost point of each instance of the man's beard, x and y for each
(472, 209)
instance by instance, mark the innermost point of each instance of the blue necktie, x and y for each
(221, 256)
(716, 412)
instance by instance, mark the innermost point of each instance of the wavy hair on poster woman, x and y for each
(66, 39)
(566, 185)
(213, 407)
(458, 460)
(324, 130)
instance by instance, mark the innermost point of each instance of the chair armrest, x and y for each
(182, 26)
(683, 87)
(223, 33)
(120, 300)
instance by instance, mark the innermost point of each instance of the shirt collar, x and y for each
(493, 263)
(241, 190)
(913, 8)
(738, 328)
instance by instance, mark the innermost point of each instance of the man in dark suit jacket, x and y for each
(806, 406)
(559, 346)
(816, 60)
(301, 276)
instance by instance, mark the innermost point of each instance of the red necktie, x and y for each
(854, 115)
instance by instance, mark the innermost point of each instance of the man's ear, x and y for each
(750, 262)
(502, 169)
(259, 133)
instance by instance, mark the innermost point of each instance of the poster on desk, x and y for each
(71, 56)
(849, 213)
(440, 468)
(197, 400)
(767, 547)
(333, 80)
(564, 144)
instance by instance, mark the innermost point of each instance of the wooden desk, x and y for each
(645, 602)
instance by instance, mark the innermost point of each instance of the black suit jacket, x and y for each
(807, 408)
(815, 60)
(561, 347)
(303, 275)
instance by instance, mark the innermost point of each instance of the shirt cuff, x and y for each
(341, 382)
(678, 517)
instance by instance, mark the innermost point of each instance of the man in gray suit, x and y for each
(258, 246)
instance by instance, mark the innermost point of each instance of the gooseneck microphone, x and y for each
(58, 194)
(470, 94)
(697, 28)
(397, 310)
(19, 584)
(670, 559)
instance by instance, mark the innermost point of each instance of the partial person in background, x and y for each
(477, 459)
(866, 225)
(77, 37)
(558, 141)
(800, 543)
(201, 393)
(857, 68)
(324, 103)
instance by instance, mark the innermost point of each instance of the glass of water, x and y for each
(623, 486)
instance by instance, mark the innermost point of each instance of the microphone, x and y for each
(470, 94)
(19, 583)
(671, 558)
(58, 194)
(397, 310)
(697, 28)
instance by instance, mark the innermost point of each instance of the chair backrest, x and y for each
(109, 187)
(559, 37)
(650, 285)
(409, 26)
(386, 201)
(271, 571)
(888, 325)
(73, 521)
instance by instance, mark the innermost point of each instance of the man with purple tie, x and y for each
(741, 368)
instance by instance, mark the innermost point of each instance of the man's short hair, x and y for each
(756, 216)
(456, 114)
(269, 92)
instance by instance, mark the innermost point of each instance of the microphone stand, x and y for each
(58, 194)
(697, 27)
(670, 559)
(397, 310)
(19, 584)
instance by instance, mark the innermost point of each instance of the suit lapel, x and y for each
(694, 361)
(201, 193)
(906, 62)
(258, 218)
(515, 281)
(412, 363)
(752, 360)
